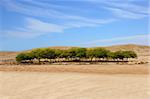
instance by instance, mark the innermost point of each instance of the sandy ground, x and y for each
(99, 69)
(74, 82)
(40, 85)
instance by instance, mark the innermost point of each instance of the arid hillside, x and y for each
(6, 57)
(143, 52)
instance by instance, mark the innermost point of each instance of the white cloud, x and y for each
(47, 11)
(126, 14)
(136, 39)
(87, 23)
(128, 6)
(127, 10)
(39, 26)
(33, 28)
(124, 9)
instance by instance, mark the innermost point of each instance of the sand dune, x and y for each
(35, 85)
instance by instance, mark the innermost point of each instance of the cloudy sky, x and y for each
(26, 24)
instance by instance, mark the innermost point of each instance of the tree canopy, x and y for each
(88, 53)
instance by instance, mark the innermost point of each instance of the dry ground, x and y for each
(40, 85)
(75, 82)
(100, 69)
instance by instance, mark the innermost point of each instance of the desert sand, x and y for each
(33, 85)
(97, 69)
(75, 82)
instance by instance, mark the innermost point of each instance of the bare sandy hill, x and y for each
(142, 51)
(6, 53)
(139, 49)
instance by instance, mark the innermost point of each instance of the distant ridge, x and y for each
(127, 47)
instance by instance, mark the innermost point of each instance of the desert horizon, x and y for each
(74, 49)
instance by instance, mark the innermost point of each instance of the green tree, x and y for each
(124, 54)
(110, 55)
(49, 53)
(80, 52)
(119, 55)
(37, 54)
(58, 53)
(132, 54)
(23, 56)
(97, 53)
(74, 53)
(90, 53)
(100, 53)
(71, 53)
(129, 54)
(64, 54)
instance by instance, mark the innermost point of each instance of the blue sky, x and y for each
(26, 24)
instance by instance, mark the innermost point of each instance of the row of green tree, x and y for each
(74, 53)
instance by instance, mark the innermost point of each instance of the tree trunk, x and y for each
(39, 60)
